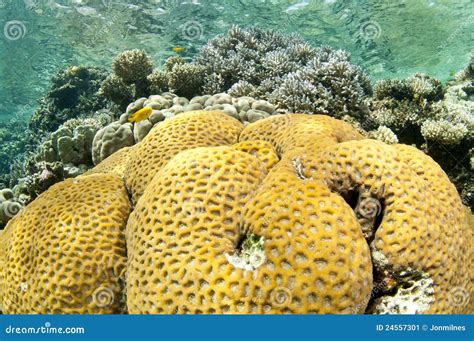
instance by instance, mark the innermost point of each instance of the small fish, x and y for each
(140, 115)
(178, 49)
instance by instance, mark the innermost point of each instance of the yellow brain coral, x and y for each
(262, 150)
(184, 224)
(114, 164)
(65, 252)
(291, 214)
(185, 131)
(412, 217)
(293, 131)
(218, 247)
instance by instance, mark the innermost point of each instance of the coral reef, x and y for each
(123, 133)
(65, 153)
(383, 134)
(10, 204)
(285, 70)
(186, 131)
(110, 139)
(79, 259)
(365, 173)
(419, 111)
(129, 79)
(293, 213)
(14, 141)
(132, 66)
(254, 62)
(73, 94)
(468, 72)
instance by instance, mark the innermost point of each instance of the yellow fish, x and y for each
(178, 49)
(140, 115)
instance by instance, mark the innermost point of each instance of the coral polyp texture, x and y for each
(189, 130)
(293, 213)
(75, 263)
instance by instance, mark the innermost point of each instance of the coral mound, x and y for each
(186, 131)
(293, 131)
(292, 214)
(65, 252)
(411, 216)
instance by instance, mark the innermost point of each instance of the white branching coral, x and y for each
(443, 131)
(418, 88)
(383, 134)
(284, 69)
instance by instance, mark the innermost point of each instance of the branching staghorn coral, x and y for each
(284, 69)
(329, 84)
(252, 62)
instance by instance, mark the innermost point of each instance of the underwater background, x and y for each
(300, 156)
(389, 39)
(398, 71)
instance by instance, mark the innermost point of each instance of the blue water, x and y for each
(387, 38)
